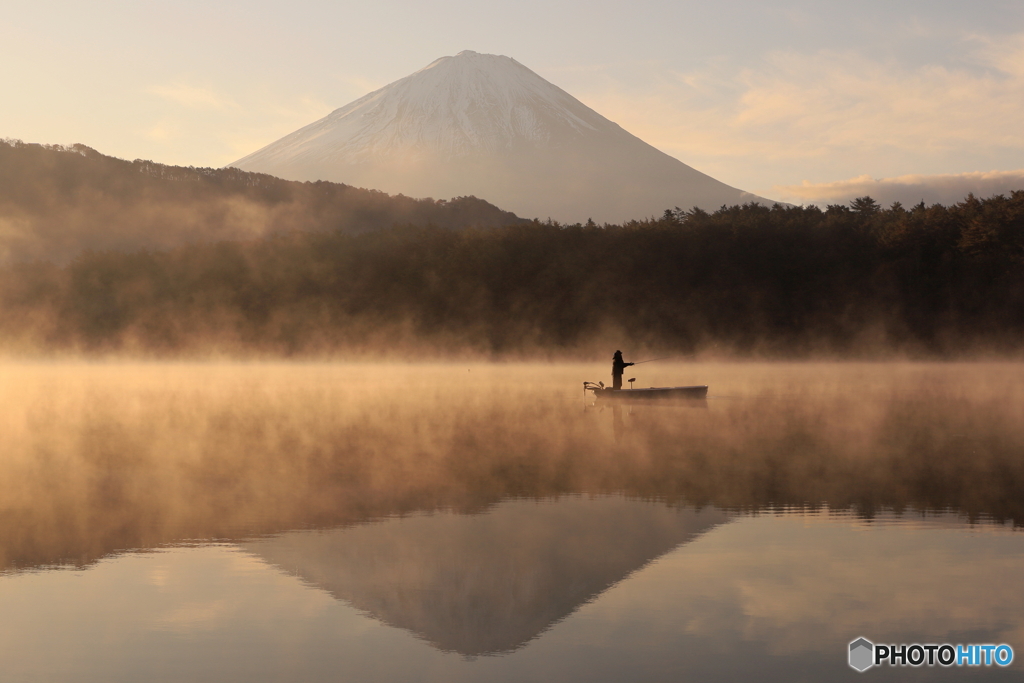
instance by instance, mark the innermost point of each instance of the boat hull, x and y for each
(652, 393)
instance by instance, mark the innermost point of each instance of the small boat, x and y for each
(650, 393)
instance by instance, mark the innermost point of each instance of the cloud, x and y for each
(280, 117)
(908, 189)
(826, 102)
(162, 131)
(1005, 54)
(191, 97)
(829, 114)
(212, 128)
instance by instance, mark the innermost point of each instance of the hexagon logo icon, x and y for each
(862, 653)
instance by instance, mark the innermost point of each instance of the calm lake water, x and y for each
(308, 522)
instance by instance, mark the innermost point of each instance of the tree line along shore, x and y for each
(855, 280)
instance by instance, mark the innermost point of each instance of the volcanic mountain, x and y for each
(487, 126)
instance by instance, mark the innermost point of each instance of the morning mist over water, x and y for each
(487, 521)
(160, 453)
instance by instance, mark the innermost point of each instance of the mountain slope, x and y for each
(485, 125)
(56, 202)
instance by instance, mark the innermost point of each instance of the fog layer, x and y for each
(100, 458)
(56, 202)
(860, 280)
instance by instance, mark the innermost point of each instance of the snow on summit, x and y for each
(485, 125)
(454, 107)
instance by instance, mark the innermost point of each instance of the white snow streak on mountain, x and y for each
(487, 126)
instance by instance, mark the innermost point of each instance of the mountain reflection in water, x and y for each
(489, 510)
(491, 582)
(769, 597)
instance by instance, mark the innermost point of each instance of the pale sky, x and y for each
(800, 101)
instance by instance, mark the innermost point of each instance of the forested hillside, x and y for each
(56, 202)
(784, 281)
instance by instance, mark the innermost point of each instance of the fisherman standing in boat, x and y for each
(618, 365)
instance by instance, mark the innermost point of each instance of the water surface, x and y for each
(486, 522)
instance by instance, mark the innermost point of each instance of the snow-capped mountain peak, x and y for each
(454, 106)
(486, 125)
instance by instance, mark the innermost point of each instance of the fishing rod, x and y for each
(687, 355)
(662, 358)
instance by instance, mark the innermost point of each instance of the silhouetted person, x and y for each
(618, 365)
